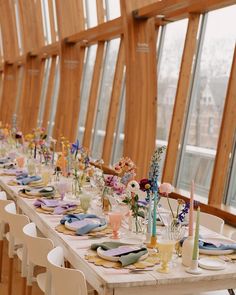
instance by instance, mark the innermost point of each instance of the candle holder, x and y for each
(153, 242)
(194, 269)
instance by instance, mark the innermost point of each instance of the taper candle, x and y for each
(190, 224)
(154, 222)
(196, 237)
(149, 229)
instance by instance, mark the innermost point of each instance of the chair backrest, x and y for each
(3, 203)
(210, 221)
(233, 236)
(37, 247)
(15, 221)
(64, 280)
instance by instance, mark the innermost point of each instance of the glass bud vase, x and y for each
(137, 224)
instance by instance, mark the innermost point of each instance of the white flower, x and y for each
(133, 186)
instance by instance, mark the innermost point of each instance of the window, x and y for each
(112, 9)
(104, 97)
(85, 88)
(207, 101)
(231, 193)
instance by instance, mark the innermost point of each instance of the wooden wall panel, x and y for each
(8, 29)
(30, 100)
(70, 20)
(114, 105)
(51, 81)
(8, 93)
(31, 24)
(226, 141)
(141, 88)
(181, 99)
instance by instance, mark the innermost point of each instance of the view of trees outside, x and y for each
(207, 101)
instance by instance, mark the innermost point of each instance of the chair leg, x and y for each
(10, 275)
(23, 292)
(1, 255)
(29, 290)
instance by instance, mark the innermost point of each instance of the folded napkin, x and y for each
(4, 160)
(58, 208)
(210, 246)
(9, 166)
(28, 180)
(47, 191)
(21, 175)
(125, 259)
(86, 228)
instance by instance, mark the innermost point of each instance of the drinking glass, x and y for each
(63, 187)
(165, 249)
(85, 200)
(20, 162)
(115, 219)
(46, 175)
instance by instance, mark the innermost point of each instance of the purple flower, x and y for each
(183, 212)
(145, 184)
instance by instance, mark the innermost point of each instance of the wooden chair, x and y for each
(3, 203)
(37, 251)
(16, 243)
(210, 221)
(64, 280)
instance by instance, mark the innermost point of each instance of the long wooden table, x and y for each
(120, 282)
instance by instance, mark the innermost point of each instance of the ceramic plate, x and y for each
(77, 224)
(212, 263)
(217, 241)
(102, 253)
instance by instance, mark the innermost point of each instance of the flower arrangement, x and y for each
(126, 169)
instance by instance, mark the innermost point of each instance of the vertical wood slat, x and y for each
(72, 59)
(31, 24)
(8, 29)
(141, 88)
(114, 105)
(92, 105)
(181, 99)
(49, 94)
(70, 20)
(30, 99)
(8, 93)
(225, 142)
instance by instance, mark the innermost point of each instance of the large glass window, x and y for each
(104, 97)
(231, 193)
(85, 88)
(53, 106)
(46, 22)
(112, 9)
(18, 27)
(170, 50)
(207, 101)
(90, 9)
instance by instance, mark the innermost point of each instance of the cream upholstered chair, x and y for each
(233, 236)
(16, 243)
(3, 203)
(64, 280)
(210, 221)
(37, 251)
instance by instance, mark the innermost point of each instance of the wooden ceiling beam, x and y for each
(176, 9)
(103, 32)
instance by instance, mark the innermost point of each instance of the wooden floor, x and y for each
(16, 277)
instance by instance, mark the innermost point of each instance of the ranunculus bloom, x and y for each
(144, 184)
(165, 188)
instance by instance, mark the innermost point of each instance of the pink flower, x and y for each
(165, 188)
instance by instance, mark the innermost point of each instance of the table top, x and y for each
(105, 280)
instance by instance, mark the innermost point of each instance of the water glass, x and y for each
(115, 219)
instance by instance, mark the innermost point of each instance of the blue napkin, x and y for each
(28, 180)
(22, 176)
(88, 227)
(209, 246)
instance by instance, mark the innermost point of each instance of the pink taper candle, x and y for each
(190, 225)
